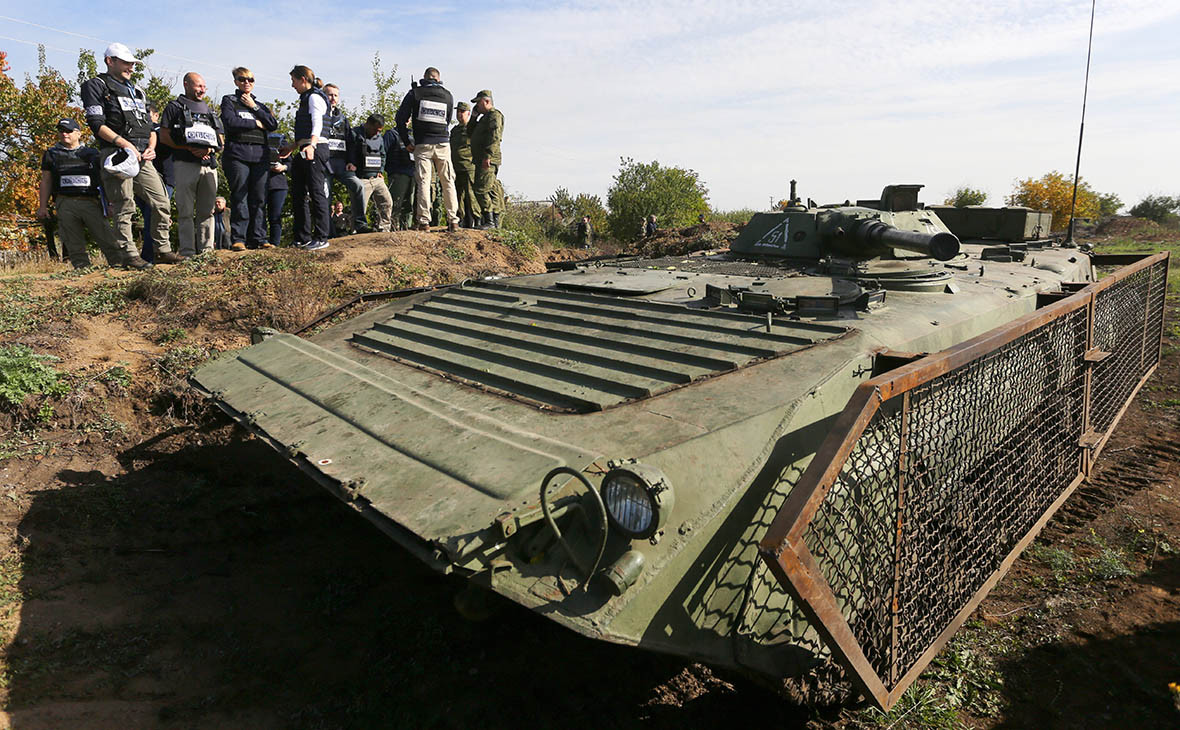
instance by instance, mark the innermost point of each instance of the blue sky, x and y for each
(843, 96)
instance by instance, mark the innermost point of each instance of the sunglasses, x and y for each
(244, 79)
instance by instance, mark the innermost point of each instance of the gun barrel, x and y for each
(941, 246)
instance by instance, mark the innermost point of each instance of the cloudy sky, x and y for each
(843, 95)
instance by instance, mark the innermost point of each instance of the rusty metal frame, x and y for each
(788, 556)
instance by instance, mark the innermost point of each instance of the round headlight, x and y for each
(638, 499)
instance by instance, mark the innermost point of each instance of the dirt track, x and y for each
(161, 569)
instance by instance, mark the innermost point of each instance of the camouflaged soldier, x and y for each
(486, 130)
(464, 166)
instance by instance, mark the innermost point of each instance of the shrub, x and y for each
(1159, 208)
(674, 195)
(24, 373)
(965, 196)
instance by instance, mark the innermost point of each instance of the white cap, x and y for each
(121, 163)
(120, 51)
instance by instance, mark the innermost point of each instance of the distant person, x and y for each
(246, 161)
(194, 133)
(430, 105)
(221, 225)
(309, 172)
(116, 111)
(649, 228)
(72, 174)
(487, 131)
(366, 161)
(276, 188)
(701, 218)
(339, 137)
(464, 165)
(163, 165)
(399, 166)
(585, 232)
(340, 224)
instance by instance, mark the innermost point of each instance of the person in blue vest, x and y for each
(276, 188)
(72, 174)
(309, 169)
(339, 136)
(194, 133)
(399, 166)
(246, 160)
(116, 111)
(431, 107)
(366, 160)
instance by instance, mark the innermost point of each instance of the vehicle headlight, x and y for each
(638, 498)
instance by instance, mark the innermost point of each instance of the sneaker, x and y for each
(315, 245)
(266, 245)
(135, 262)
(239, 246)
(168, 257)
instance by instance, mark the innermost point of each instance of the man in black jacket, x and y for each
(116, 111)
(429, 108)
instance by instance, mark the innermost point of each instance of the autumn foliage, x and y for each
(28, 115)
(1054, 192)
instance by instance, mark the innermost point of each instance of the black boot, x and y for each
(485, 222)
(468, 221)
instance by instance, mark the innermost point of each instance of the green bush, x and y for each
(674, 195)
(741, 216)
(24, 373)
(1159, 208)
(965, 196)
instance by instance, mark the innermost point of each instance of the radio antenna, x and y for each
(1081, 131)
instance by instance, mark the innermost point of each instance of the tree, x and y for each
(1159, 208)
(1108, 205)
(386, 98)
(572, 208)
(965, 196)
(1053, 192)
(674, 195)
(28, 121)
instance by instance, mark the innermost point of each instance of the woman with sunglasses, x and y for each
(246, 161)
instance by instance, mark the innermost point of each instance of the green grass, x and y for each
(24, 373)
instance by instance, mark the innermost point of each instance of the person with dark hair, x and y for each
(71, 174)
(399, 166)
(309, 172)
(276, 188)
(116, 111)
(194, 133)
(430, 106)
(649, 226)
(366, 160)
(246, 160)
(585, 232)
(221, 225)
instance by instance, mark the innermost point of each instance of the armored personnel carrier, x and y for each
(829, 441)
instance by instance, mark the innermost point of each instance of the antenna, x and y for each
(1078, 167)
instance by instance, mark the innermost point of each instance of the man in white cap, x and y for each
(116, 111)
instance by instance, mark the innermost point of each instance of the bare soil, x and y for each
(161, 568)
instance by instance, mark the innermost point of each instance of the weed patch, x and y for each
(24, 373)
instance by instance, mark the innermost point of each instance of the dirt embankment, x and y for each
(158, 568)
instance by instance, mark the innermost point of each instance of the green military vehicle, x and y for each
(826, 443)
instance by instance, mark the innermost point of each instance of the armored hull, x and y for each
(630, 449)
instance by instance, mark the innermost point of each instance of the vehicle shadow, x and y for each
(214, 585)
(1104, 681)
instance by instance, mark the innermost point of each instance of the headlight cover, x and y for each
(638, 498)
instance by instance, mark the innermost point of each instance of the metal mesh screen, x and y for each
(943, 470)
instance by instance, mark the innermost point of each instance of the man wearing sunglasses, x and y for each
(246, 161)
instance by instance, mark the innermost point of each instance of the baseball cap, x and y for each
(67, 125)
(462, 106)
(481, 94)
(122, 164)
(120, 51)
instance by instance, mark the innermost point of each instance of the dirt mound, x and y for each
(680, 241)
(1139, 229)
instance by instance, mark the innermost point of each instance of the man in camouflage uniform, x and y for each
(486, 129)
(464, 166)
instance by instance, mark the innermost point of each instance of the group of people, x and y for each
(144, 158)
